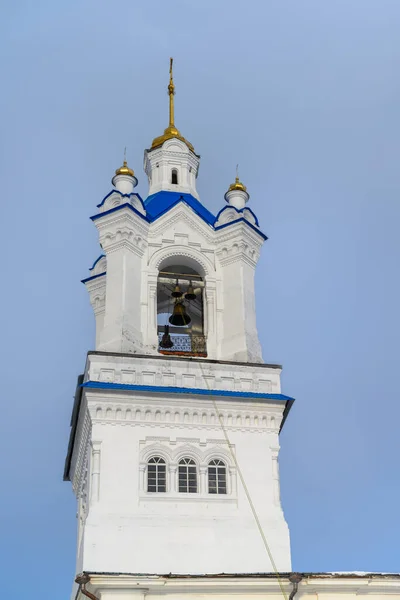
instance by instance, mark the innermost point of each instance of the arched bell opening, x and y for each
(180, 311)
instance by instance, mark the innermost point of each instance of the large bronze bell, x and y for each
(179, 317)
(190, 295)
(166, 341)
(177, 293)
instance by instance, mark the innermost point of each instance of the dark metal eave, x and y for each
(256, 575)
(74, 423)
(289, 404)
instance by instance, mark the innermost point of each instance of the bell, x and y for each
(190, 295)
(177, 291)
(166, 341)
(179, 317)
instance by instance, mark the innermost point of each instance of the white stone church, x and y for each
(174, 445)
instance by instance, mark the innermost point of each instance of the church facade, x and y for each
(174, 445)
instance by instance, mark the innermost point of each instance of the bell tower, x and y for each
(176, 408)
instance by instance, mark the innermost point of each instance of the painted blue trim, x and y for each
(238, 210)
(161, 202)
(162, 389)
(247, 223)
(93, 277)
(183, 201)
(96, 261)
(112, 210)
(254, 215)
(122, 196)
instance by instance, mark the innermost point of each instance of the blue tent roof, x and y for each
(159, 203)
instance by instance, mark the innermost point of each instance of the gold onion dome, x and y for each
(125, 170)
(171, 131)
(238, 185)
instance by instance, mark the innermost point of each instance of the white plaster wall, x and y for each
(158, 165)
(194, 533)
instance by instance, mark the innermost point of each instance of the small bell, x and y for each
(177, 293)
(179, 317)
(190, 295)
(166, 341)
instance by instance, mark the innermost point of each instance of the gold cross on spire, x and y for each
(171, 92)
(171, 131)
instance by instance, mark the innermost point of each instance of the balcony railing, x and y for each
(185, 344)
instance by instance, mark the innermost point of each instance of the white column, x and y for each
(275, 476)
(142, 471)
(203, 480)
(172, 482)
(95, 494)
(232, 481)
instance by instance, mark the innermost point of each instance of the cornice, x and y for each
(249, 584)
(123, 214)
(140, 412)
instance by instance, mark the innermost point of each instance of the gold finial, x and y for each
(238, 185)
(171, 131)
(125, 170)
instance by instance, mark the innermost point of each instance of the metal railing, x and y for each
(193, 344)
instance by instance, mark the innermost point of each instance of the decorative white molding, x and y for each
(141, 415)
(184, 373)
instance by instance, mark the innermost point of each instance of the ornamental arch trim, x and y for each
(218, 454)
(156, 450)
(187, 257)
(188, 452)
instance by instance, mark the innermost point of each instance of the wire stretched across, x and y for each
(252, 507)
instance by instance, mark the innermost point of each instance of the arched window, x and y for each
(180, 311)
(174, 176)
(156, 475)
(216, 477)
(187, 473)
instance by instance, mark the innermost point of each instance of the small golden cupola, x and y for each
(125, 170)
(171, 131)
(124, 179)
(237, 194)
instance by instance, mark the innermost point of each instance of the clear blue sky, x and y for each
(305, 95)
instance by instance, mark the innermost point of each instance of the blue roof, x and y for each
(162, 389)
(159, 203)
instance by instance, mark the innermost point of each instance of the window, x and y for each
(187, 473)
(216, 477)
(156, 475)
(174, 177)
(180, 310)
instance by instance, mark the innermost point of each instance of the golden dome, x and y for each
(125, 170)
(171, 131)
(238, 185)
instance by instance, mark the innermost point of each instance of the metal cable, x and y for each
(253, 509)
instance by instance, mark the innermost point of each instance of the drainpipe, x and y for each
(295, 579)
(82, 580)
